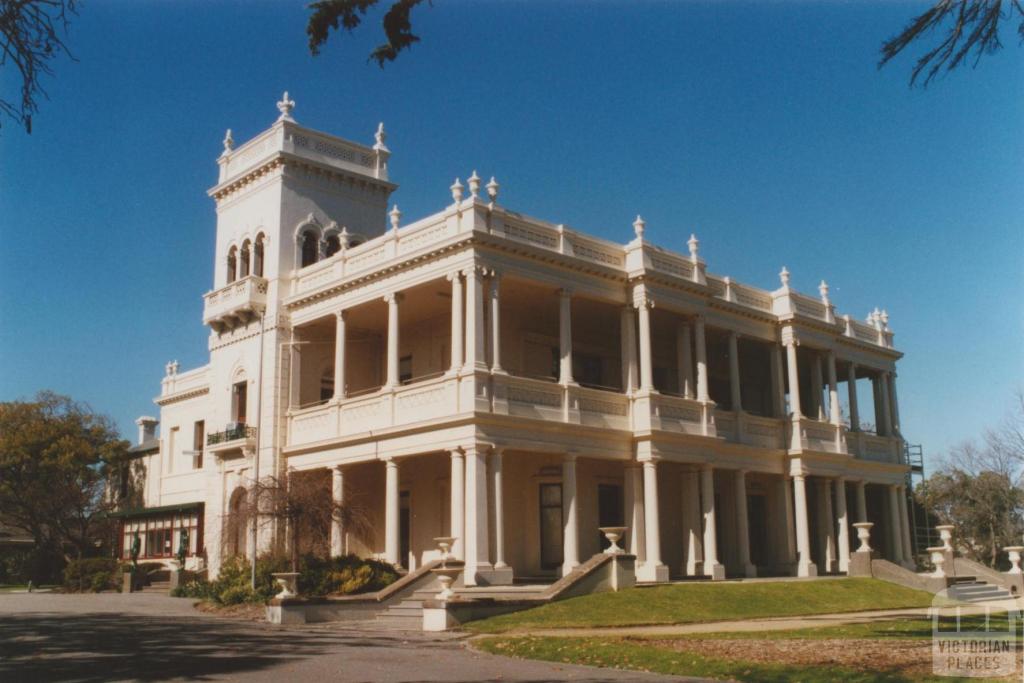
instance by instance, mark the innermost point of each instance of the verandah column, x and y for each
(908, 550)
(712, 567)
(735, 398)
(497, 484)
(778, 383)
(653, 568)
(391, 512)
(570, 509)
(742, 524)
(826, 527)
(851, 389)
(796, 439)
(700, 349)
(565, 337)
(496, 323)
(843, 522)
(392, 301)
(457, 509)
(475, 342)
(895, 531)
(478, 552)
(684, 358)
(338, 497)
(833, 399)
(457, 310)
(627, 333)
(787, 503)
(633, 501)
(339, 356)
(804, 566)
(694, 549)
(886, 410)
(646, 359)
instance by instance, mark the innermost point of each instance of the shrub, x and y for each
(92, 574)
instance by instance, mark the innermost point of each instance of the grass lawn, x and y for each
(622, 653)
(706, 601)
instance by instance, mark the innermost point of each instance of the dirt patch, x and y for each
(904, 656)
(243, 612)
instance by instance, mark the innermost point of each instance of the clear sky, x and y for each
(763, 127)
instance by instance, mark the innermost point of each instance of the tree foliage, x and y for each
(31, 37)
(973, 26)
(328, 15)
(55, 454)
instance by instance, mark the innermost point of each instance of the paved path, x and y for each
(151, 637)
(755, 625)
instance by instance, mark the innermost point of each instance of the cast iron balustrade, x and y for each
(233, 434)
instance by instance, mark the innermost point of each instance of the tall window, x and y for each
(333, 245)
(243, 264)
(257, 256)
(238, 399)
(197, 443)
(309, 248)
(231, 265)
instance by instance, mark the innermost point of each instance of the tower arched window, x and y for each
(309, 248)
(232, 262)
(243, 262)
(257, 256)
(333, 244)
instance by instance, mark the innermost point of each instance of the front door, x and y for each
(550, 526)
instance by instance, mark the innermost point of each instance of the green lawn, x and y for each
(706, 601)
(620, 653)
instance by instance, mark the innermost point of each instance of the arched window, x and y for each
(231, 265)
(333, 244)
(327, 385)
(236, 535)
(257, 256)
(243, 264)
(309, 248)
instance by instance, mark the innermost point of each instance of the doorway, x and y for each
(551, 526)
(403, 529)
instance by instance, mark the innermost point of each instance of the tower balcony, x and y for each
(235, 304)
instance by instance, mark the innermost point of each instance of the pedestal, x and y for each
(649, 572)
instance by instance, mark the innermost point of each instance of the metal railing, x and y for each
(233, 434)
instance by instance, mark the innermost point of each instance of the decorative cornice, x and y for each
(181, 396)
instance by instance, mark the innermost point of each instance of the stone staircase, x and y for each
(969, 589)
(408, 614)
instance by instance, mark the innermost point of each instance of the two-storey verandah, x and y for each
(514, 401)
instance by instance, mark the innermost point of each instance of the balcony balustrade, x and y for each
(235, 437)
(235, 304)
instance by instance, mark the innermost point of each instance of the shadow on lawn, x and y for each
(103, 647)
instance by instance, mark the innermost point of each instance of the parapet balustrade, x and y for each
(237, 302)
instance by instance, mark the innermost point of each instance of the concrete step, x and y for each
(399, 623)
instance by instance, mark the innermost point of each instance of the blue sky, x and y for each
(765, 128)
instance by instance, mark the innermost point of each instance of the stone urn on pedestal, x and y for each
(449, 569)
(614, 535)
(946, 536)
(864, 536)
(1013, 552)
(289, 583)
(938, 556)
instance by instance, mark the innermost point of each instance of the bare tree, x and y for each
(31, 37)
(974, 26)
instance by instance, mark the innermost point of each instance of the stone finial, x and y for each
(285, 106)
(823, 291)
(694, 244)
(784, 276)
(847, 325)
(456, 189)
(229, 142)
(171, 368)
(876, 318)
(474, 185)
(492, 190)
(379, 137)
(639, 226)
(885, 320)
(396, 216)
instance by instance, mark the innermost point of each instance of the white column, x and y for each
(817, 389)
(735, 399)
(391, 513)
(339, 356)
(828, 533)
(702, 359)
(787, 511)
(457, 310)
(684, 359)
(633, 501)
(712, 567)
(694, 548)
(794, 380)
(654, 569)
(778, 384)
(851, 389)
(457, 512)
(646, 360)
(843, 522)
(497, 481)
(894, 406)
(908, 550)
(338, 498)
(886, 412)
(392, 301)
(476, 349)
(742, 524)
(627, 330)
(895, 534)
(570, 510)
(565, 337)
(805, 567)
(833, 389)
(495, 323)
(478, 551)
(862, 502)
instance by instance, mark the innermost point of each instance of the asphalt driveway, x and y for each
(151, 637)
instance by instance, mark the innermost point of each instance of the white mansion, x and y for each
(515, 384)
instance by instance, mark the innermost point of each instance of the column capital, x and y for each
(570, 457)
(474, 271)
(565, 292)
(393, 297)
(391, 462)
(644, 300)
(456, 452)
(341, 314)
(789, 336)
(453, 276)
